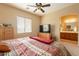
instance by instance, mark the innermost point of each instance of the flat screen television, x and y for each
(45, 28)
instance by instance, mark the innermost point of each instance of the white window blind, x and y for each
(24, 25)
(28, 26)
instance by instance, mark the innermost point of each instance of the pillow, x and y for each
(47, 41)
(1, 54)
(4, 47)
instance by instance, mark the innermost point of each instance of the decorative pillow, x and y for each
(4, 47)
(47, 41)
(1, 54)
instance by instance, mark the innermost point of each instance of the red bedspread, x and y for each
(29, 47)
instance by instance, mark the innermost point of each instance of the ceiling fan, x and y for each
(39, 6)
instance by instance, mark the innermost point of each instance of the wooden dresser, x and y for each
(44, 35)
(69, 36)
(6, 33)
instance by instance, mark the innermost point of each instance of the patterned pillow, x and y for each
(4, 47)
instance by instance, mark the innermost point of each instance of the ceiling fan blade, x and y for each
(42, 10)
(35, 10)
(47, 5)
(31, 5)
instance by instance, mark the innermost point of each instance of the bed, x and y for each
(29, 47)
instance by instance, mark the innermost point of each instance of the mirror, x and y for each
(69, 23)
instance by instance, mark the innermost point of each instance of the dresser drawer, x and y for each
(69, 36)
(8, 29)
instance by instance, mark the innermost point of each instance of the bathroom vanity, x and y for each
(69, 35)
(69, 27)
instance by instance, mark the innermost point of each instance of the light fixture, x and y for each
(70, 20)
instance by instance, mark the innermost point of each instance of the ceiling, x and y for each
(54, 7)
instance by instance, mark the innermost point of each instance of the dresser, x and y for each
(6, 33)
(45, 35)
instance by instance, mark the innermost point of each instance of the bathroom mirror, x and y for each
(69, 23)
(71, 26)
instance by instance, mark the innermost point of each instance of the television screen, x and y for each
(45, 28)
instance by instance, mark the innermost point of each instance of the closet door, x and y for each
(1, 33)
(8, 33)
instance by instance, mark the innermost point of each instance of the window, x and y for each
(24, 25)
